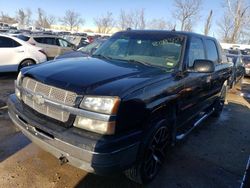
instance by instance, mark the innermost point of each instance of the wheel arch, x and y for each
(18, 68)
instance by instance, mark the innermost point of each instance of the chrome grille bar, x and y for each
(51, 93)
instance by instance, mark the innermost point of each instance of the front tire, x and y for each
(153, 156)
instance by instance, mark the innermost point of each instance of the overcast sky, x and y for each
(93, 8)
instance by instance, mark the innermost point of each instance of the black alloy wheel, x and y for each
(153, 156)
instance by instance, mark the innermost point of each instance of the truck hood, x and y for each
(87, 75)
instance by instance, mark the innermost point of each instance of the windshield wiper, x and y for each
(102, 56)
(140, 62)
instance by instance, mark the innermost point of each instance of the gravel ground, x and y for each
(214, 155)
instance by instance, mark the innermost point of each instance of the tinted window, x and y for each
(6, 42)
(212, 53)
(46, 40)
(23, 37)
(49, 40)
(196, 51)
(39, 40)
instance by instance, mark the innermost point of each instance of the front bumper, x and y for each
(78, 155)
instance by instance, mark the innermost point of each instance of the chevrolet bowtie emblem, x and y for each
(38, 99)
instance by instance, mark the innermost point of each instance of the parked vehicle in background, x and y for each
(84, 51)
(16, 54)
(91, 39)
(52, 45)
(246, 62)
(245, 52)
(238, 70)
(78, 41)
(83, 42)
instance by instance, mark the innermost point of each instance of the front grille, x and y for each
(51, 93)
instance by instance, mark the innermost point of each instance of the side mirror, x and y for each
(203, 66)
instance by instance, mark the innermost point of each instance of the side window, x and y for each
(196, 51)
(6, 42)
(212, 53)
(49, 40)
(38, 39)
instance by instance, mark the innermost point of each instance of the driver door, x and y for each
(197, 85)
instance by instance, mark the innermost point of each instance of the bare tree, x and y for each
(51, 19)
(28, 17)
(134, 19)
(208, 23)
(225, 26)
(139, 21)
(23, 17)
(186, 12)
(188, 26)
(42, 20)
(7, 19)
(123, 20)
(159, 24)
(235, 20)
(105, 23)
(237, 10)
(72, 19)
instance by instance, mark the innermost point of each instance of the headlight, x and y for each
(97, 126)
(106, 105)
(18, 84)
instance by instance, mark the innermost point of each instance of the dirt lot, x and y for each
(214, 155)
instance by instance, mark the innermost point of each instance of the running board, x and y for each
(197, 123)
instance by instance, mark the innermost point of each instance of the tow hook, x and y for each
(63, 160)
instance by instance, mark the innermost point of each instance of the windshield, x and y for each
(162, 49)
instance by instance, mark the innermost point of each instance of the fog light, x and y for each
(97, 126)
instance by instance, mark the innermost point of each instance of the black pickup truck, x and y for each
(121, 109)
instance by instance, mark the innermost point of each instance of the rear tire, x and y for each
(153, 154)
(26, 63)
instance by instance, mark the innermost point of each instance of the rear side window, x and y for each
(39, 39)
(6, 42)
(196, 51)
(46, 40)
(49, 40)
(212, 52)
(23, 37)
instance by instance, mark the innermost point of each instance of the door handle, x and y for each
(20, 51)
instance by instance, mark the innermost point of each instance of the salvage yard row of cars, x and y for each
(135, 95)
(20, 50)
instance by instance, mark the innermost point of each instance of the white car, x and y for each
(16, 54)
